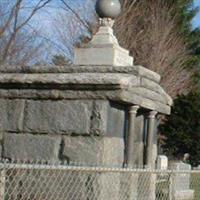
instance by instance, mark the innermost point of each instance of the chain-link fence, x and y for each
(62, 182)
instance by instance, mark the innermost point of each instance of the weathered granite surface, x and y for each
(62, 117)
(50, 117)
(106, 151)
(40, 69)
(30, 147)
(142, 89)
(11, 114)
(58, 117)
(99, 117)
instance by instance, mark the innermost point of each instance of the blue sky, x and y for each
(196, 21)
(80, 3)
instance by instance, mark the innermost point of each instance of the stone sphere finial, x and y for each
(108, 8)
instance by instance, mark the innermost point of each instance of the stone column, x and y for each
(131, 184)
(151, 150)
(131, 135)
(138, 156)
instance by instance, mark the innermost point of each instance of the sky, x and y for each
(46, 21)
(196, 21)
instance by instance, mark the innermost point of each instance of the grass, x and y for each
(195, 185)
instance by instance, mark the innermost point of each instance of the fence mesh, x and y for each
(60, 182)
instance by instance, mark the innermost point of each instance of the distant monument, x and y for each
(181, 182)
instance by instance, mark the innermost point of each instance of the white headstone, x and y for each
(162, 162)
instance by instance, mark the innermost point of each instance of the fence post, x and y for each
(2, 183)
(171, 186)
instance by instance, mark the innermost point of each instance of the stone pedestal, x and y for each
(77, 114)
(41, 109)
(103, 45)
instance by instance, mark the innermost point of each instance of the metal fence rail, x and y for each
(61, 182)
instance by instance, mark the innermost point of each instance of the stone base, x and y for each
(112, 55)
(184, 195)
(103, 50)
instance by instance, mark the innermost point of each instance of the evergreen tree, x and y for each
(182, 128)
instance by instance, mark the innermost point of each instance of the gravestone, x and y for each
(181, 182)
(162, 162)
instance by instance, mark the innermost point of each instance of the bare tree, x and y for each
(73, 26)
(17, 42)
(66, 30)
(149, 30)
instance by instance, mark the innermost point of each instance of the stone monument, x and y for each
(101, 105)
(101, 111)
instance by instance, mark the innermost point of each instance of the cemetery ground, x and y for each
(196, 185)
